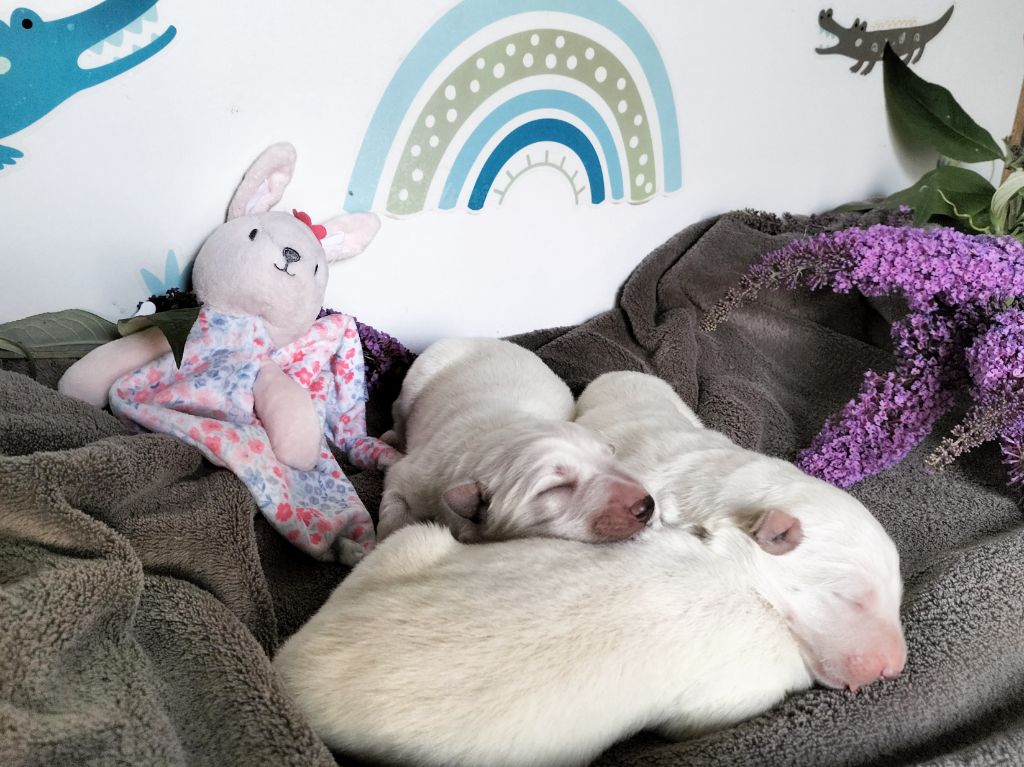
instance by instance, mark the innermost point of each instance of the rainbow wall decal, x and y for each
(499, 88)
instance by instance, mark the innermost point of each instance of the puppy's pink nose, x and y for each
(643, 509)
(627, 511)
(870, 667)
(891, 672)
(896, 659)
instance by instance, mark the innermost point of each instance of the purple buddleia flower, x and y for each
(1011, 441)
(996, 359)
(892, 413)
(996, 364)
(872, 433)
(960, 331)
(930, 268)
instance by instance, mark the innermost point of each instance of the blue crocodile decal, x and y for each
(39, 67)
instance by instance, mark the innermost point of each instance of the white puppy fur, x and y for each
(545, 652)
(491, 452)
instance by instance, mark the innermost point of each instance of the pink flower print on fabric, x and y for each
(208, 403)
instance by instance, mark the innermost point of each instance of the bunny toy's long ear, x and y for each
(348, 235)
(264, 183)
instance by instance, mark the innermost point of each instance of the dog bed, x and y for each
(141, 592)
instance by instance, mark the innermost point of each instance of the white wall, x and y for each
(121, 173)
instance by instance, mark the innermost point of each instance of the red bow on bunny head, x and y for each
(318, 231)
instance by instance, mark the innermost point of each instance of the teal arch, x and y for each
(527, 102)
(545, 129)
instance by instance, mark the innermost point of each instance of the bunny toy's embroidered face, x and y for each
(266, 264)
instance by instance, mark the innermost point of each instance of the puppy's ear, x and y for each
(775, 531)
(468, 500)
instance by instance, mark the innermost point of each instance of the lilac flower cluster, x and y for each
(996, 359)
(996, 364)
(959, 331)
(892, 413)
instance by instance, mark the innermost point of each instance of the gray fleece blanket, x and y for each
(141, 594)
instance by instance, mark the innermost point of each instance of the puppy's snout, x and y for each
(643, 509)
(883, 658)
(290, 255)
(628, 509)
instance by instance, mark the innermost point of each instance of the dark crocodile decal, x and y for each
(867, 46)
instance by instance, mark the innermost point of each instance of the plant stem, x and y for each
(1017, 133)
(981, 425)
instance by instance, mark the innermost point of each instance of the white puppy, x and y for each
(491, 452)
(838, 584)
(546, 652)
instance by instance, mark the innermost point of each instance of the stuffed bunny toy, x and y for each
(263, 384)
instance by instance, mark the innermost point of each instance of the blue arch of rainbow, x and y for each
(466, 19)
(519, 105)
(545, 129)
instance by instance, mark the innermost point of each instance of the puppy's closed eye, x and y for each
(562, 487)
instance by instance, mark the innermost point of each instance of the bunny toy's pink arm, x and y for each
(91, 377)
(287, 413)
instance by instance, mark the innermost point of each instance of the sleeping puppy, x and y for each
(492, 453)
(546, 652)
(838, 583)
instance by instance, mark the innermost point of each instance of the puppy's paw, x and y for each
(394, 514)
(349, 552)
(389, 458)
(390, 437)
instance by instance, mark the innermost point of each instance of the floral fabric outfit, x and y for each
(208, 403)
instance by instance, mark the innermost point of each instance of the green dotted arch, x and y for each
(508, 60)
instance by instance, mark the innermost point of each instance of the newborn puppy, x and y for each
(838, 584)
(546, 652)
(492, 453)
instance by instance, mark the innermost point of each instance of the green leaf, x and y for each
(1001, 208)
(930, 114)
(175, 324)
(947, 191)
(69, 333)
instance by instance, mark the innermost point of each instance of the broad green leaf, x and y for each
(930, 115)
(174, 324)
(69, 333)
(947, 191)
(1001, 208)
